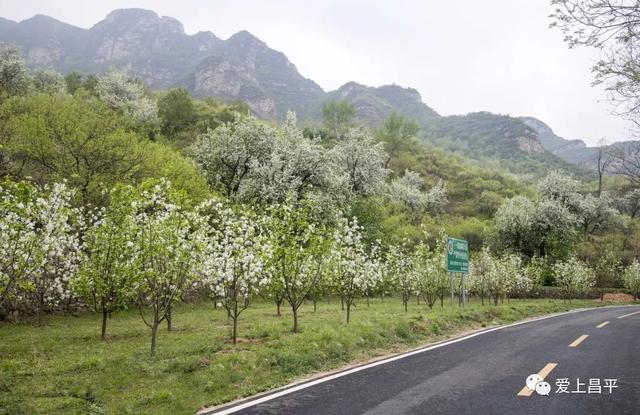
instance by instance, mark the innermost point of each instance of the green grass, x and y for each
(61, 367)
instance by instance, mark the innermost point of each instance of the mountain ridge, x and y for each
(157, 50)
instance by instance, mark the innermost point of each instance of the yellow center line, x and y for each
(543, 374)
(630, 314)
(601, 325)
(579, 340)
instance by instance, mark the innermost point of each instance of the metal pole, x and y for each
(451, 286)
(464, 294)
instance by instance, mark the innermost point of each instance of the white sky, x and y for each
(462, 56)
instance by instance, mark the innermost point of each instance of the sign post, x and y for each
(457, 263)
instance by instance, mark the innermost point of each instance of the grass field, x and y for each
(61, 367)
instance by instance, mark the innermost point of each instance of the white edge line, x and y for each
(296, 386)
(629, 315)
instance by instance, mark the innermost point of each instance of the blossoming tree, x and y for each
(399, 265)
(349, 263)
(574, 277)
(105, 279)
(631, 278)
(234, 258)
(166, 245)
(41, 246)
(298, 248)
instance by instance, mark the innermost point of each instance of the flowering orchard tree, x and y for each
(430, 273)
(18, 238)
(574, 277)
(234, 258)
(42, 246)
(374, 272)
(59, 250)
(349, 261)
(399, 264)
(296, 166)
(275, 292)
(562, 188)
(359, 163)
(408, 189)
(166, 245)
(480, 274)
(230, 153)
(298, 248)
(597, 213)
(504, 274)
(105, 279)
(14, 78)
(518, 280)
(128, 97)
(631, 278)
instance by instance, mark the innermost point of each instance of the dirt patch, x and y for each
(617, 297)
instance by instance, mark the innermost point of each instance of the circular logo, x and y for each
(450, 247)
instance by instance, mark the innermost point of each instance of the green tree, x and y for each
(176, 111)
(74, 82)
(338, 116)
(213, 112)
(73, 138)
(396, 132)
(48, 81)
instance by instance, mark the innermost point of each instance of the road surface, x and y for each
(486, 374)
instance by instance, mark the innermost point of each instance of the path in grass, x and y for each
(63, 368)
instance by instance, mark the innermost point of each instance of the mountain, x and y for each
(6, 24)
(244, 67)
(575, 151)
(157, 50)
(499, 140)
(375, 104)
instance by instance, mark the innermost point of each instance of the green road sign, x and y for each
(457, 255)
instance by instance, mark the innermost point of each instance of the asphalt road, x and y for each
(484, 374)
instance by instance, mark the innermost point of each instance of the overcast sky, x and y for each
(462, 56)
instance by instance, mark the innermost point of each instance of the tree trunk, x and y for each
(235, 330)
(105, 315)
(367, 301)
(154, 335)
(294, 310)
(348, 312)
(169, 311)
(342, 303)
(495, 301)
(315, 304)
